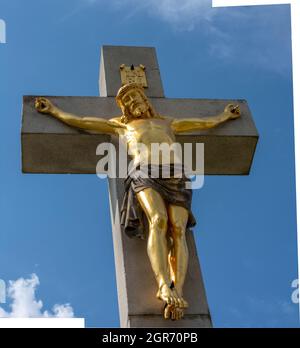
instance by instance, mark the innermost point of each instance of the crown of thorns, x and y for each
(124, 89)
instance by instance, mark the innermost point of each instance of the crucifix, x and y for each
(47, 147)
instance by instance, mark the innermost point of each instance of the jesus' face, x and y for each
(135, 103)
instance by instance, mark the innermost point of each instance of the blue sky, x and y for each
(58, 226)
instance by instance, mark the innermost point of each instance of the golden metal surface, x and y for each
(133, 74)
(139, 123)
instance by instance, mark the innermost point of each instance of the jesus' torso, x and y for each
(149, 131)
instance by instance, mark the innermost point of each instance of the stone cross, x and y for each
(49, 146)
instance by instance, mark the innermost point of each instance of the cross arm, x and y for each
(94, 124)
(190, 124)
(51, 146)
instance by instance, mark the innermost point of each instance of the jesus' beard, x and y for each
(140, 112)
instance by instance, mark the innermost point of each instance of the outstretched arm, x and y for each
(230, 112)
(95, 124)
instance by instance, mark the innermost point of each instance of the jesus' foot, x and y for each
(166, 294)
(173, 313)
(182, 303)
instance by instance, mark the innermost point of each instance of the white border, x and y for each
(227, 3)
(45, 323)
(295, 15)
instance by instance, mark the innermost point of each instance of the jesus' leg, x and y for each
(155, 209)
(178, 258)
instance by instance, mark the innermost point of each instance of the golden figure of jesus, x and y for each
(140, 124)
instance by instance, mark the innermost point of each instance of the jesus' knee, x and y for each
(178, 231)
(159, 223)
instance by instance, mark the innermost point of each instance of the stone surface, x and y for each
(49, 146)
(152, 321)
(111, 59)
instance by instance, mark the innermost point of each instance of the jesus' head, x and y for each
(134, 103)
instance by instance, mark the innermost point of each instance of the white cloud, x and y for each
(252, 35)
(182, 14)
(2, 31)
(24, 304)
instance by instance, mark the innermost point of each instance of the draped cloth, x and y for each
(172, 189)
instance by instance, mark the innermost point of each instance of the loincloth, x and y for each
(172, 189)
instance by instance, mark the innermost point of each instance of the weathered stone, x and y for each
(152, 321)
(111, 59)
